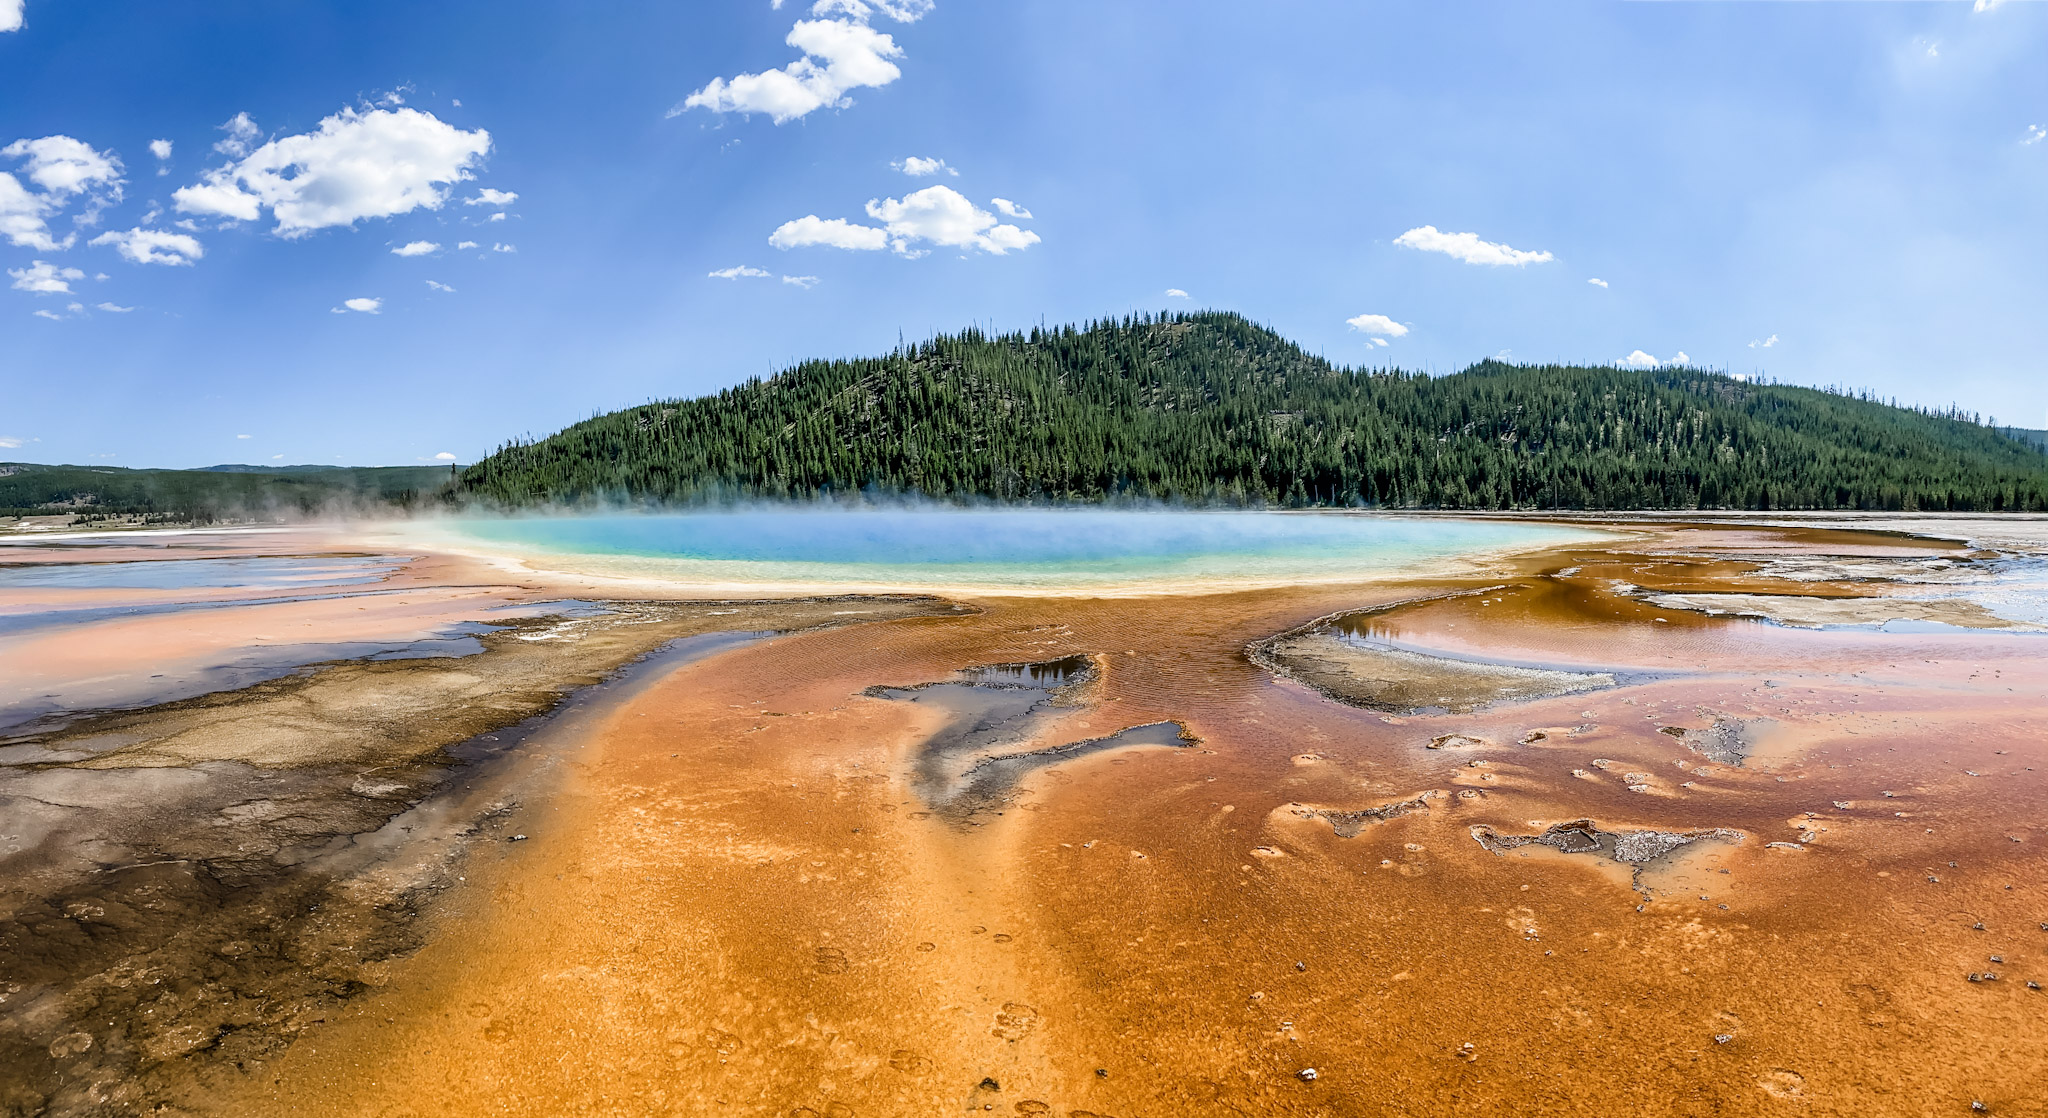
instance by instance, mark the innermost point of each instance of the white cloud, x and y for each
(357, 165)
(504, 248)
(902, 11)
(489, 197)
(1468, 248)
(1766, 343)
(2035, 134)
(838, 55)
(10, 20)
(364, 306)
(936, 215)
(160, 148)
(1641, 360)
(63, 169)
(44, 279)
(805, 282)
(1010, 209)
(444, 456)
(154, 246)
(499, 216)
(9, 442)
(1379, 342)
(917, 167)
(1987, 5)
(245, 436)
(416, 248)
(738, 271)
(1176, 293)
(241, 131)
(64, 166)
(432, 285)
(836, 233)
(1377, 324)
(1597, 282)
(940, 215)
(113, 308)
(465, 244)
(53, 316)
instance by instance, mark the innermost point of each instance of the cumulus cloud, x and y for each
(436, 286)
(739, 271)
(362, 306)
(62, 169)
(1641, 360)
(465, 244)
(504, 248)
(41, 278)
(838, 54)
(44, 279)
(64, 166)
(812, 230)
(936, 215)
(1010, 209)
(1765, 344)
(10, 20)
(113, 308)
(1378, 325)
(416, 248)
(1468, 248)
(805, 282)
(444, 456)
(1176, 293)
(160, 148)
(2035, 134)
(356, 165)
(489, 197)
(153, 246)
(1597, 282)
(8, 442)
(917, 167)
(941, 216)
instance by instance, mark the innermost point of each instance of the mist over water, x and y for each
(1023, 548)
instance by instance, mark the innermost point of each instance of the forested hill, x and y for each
(1210, 408)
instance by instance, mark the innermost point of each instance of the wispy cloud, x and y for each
(433, 285)
(805, 282)
(1765, 344)
(2035, 134)
(917, 166)
(1468, 248)
(739, 271)
(1597, 282)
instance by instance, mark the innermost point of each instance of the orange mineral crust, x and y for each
(1759, 870)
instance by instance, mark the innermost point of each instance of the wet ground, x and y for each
(1094, 857)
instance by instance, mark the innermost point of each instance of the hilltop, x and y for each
(1211, 408)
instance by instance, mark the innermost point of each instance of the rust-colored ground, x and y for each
(734, 903)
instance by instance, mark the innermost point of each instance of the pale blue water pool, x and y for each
(1025, 549)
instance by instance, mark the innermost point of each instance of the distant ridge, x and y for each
(215, 493)
(1210, 408)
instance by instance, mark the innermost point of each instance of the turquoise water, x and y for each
(1084, 549)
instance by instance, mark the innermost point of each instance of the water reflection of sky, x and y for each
(193, 574)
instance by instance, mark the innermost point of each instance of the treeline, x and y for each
(93, 493)
(1211, 408)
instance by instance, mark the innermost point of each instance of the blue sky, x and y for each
(1856, 181)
